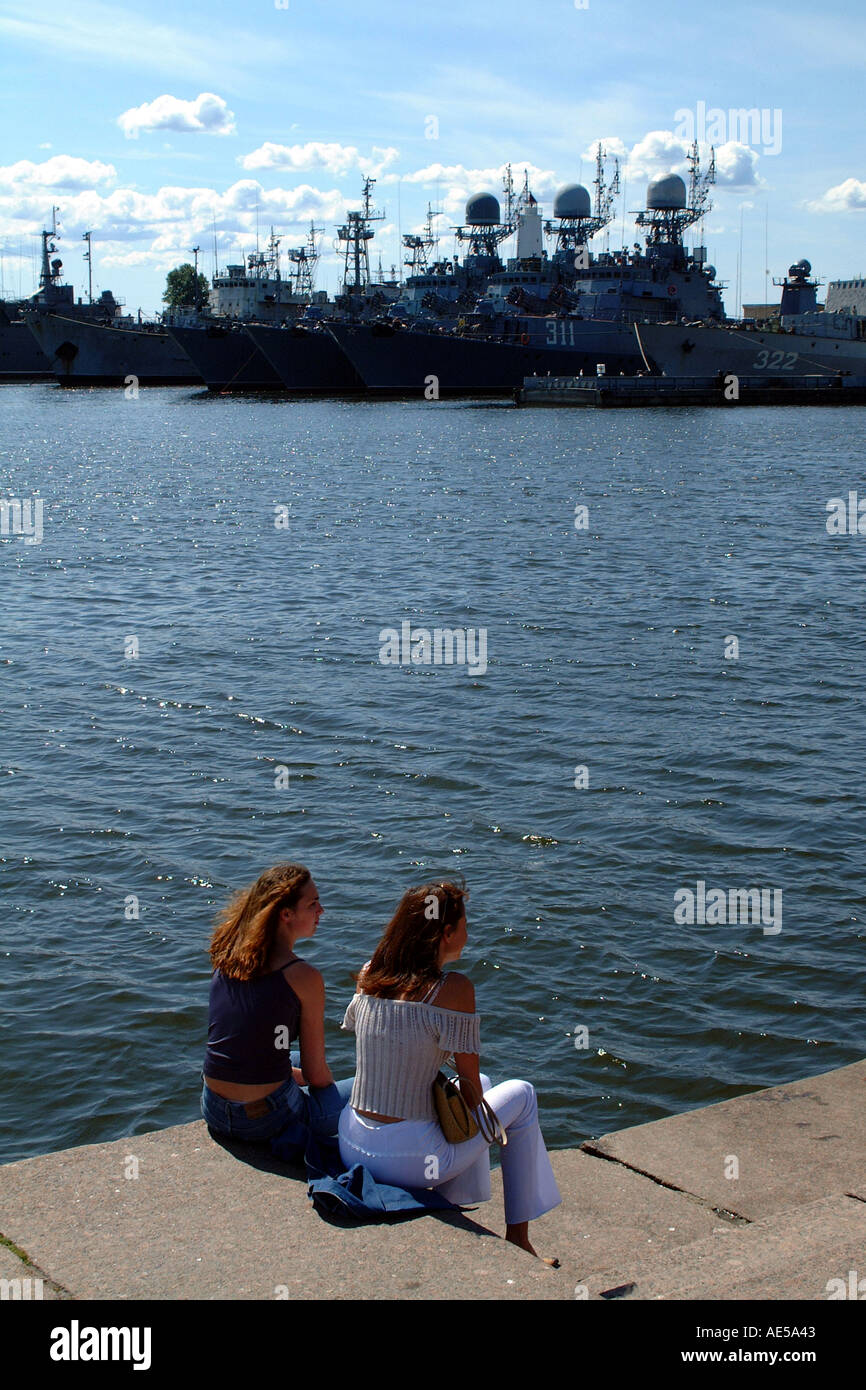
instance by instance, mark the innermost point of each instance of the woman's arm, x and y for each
(309, 986)
(458, 993)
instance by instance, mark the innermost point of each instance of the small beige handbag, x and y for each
(457, 1121)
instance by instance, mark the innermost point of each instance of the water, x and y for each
(153, 776)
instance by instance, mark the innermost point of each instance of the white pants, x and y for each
(415, 1153)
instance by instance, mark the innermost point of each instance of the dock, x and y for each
(611, 392)
(760, 1197)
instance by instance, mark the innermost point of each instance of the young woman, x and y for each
(408, 1017)
(262, 996)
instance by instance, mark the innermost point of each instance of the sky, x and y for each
(159, 127)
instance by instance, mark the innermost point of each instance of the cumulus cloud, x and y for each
(173, 218)
(206, 115)
(737, 166)
(61, 171)
(456, 183)
(335, 158)
(664, 152)
(849, 196)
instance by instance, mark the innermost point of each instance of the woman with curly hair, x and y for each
(262, 997)
(408, 1017)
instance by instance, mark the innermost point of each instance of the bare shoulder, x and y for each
(457, 993)
(305, 980)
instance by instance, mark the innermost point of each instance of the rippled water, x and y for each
(154, 775)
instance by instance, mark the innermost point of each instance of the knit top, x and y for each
(400, 1047)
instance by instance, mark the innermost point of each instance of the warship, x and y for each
(808, 340)
(304, 356)
(21, 357)
(216, 342)
(94, 354)
(543, 315)
(103, 347)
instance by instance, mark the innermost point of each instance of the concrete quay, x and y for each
(760, 1197)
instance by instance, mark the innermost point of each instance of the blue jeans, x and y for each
(289, 1108)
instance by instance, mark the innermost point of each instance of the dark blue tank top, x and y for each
(250, 1024)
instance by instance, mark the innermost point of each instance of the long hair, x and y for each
(244, 931)
(407, 957)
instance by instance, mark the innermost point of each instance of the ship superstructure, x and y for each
(567, 314)
(21, 356)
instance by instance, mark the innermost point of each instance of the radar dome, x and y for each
(710, 272)
(800, 269)
(482, 208)
(667, 194)
(572, 200)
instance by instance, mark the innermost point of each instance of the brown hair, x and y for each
(407, 957)
(244, 931)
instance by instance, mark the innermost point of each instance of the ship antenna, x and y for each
(196, 294)
(508, 190)
(86, 236)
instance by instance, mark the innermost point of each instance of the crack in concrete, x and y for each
(734, 1217)
(59, 1289)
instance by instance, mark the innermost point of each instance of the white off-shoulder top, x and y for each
(400, 1047)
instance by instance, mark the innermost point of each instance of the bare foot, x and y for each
(519, 1235)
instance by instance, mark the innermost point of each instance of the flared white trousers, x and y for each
(415, 1153)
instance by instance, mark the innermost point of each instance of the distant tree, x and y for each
(180, 287)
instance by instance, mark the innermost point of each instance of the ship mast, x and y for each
(420, 246)
(305, 259)
(50, 271)
(88, 256)
(576, 230)
(604, 193)
(356, 234)
(666, 223)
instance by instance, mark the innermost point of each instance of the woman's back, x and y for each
(250, 1026)
(402, 1043)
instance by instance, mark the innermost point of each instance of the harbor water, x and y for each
(671, 701)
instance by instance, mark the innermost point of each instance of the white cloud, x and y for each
(61, 171)
(737, 166)
(125, 221)
(208, 114)
(658, 152)
(662, 152)
(456, 183)
(849, 196)
(335, 158)
(612, 145)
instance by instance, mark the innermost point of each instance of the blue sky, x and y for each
(148, 123)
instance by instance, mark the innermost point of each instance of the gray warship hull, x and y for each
(307, 361)
(402, 362)
(89, 354)
(21, 357)
(227, 358)
(693, 350)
